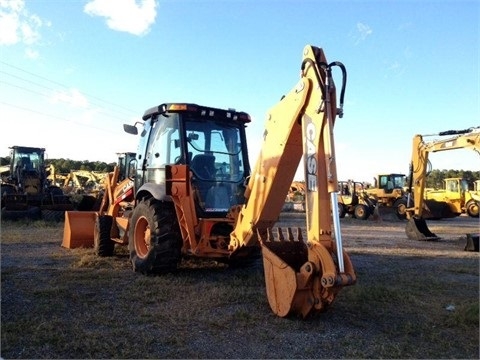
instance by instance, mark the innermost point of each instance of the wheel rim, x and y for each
(473, 209)
(142, 237)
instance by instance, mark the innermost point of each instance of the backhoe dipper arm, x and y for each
(300, 277)
(420, 153)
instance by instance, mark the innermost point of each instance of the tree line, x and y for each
(64, 166)
(435, 177)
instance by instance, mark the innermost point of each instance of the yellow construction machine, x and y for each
(354, 200)
(416, 228)
(26, 192)
(456, 194)
(195, 195)
(388, 195)
(83, 181)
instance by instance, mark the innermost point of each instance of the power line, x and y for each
(108, 131)
(64, 86)
(102, 111)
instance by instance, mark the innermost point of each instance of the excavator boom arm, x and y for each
(301, 277)
(416, 228)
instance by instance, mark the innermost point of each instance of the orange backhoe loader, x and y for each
(416, 228)
(196, 197)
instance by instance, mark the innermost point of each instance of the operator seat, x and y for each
(203, 166)
(25, 164)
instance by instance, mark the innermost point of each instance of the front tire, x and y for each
(103, 244)
(154, 239)
(400, 206)
(361, 212)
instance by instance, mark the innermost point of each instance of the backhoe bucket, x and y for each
(417, 229)
(300, 279)
(79, 229)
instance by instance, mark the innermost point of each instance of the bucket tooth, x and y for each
(270, 236)
(285, 248)
(280, 234)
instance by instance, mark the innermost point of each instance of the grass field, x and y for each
(412, 300)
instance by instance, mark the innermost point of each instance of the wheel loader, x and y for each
(457, 196)
(192, 193)
(388, 195)
(354, 201)
(417, 206)
(27, 192)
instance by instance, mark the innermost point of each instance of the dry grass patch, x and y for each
(411, 301)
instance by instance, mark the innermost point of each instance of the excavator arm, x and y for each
(417, 228)
(301, 277)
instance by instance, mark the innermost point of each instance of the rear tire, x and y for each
(154, 239)
(103, 244)
(341, 211)
(472, 208)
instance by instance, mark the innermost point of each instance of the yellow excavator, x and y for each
(416, 228)
(84, 181)
(195, 196)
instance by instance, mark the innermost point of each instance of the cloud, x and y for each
(133, 16)
(17, 25)
(72, 97)
(363, 32)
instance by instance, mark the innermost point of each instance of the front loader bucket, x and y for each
(383, 212)
(79, 229)
(300, 278)
(417, 229)
(433, 209)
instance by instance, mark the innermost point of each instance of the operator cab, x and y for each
(391, 182)
(212, 142)
(26, 159)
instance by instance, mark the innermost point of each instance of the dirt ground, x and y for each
(389, 235)
(380, 252)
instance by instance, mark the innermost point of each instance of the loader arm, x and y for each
(300, 277)
(464, 139)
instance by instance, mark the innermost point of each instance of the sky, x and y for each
(73, 72)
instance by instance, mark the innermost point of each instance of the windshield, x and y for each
(398, 181)
(27, 159)
(214, 150)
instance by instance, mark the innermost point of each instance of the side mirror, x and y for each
(130, 129)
